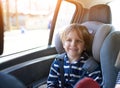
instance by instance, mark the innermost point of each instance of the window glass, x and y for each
(27, 24)
(115, 5)
(65, 15)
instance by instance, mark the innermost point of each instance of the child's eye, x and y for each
(69, 40)
(79, 41)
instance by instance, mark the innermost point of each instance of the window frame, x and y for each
(1, 29)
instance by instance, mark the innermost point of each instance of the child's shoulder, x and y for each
(60, 56)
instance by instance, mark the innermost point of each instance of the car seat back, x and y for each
(97, 15)
(108, 55)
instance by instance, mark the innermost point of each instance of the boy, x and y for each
(76, 41)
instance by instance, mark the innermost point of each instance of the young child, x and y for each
(76, 41)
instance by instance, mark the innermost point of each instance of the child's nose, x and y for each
(73, 43)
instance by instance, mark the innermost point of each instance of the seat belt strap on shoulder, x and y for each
(90, 65)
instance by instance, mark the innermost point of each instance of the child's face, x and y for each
(74, 45)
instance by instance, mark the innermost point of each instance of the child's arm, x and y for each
(53, 77)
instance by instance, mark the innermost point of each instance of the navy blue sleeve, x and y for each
(54, 74)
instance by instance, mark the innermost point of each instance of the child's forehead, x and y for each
(75, 33)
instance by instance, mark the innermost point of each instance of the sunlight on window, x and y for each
(115, 5)
(64, 18)
(26, 24)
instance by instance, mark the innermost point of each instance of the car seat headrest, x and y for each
(58, 44)
(92, 26)
(101, 13)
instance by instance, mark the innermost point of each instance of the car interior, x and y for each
(31, 70)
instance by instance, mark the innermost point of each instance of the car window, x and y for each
(66, 12)
(26, 24)
(115, 5)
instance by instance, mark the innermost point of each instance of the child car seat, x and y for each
(108, 56)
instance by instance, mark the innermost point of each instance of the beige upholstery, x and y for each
(97, 16)
(101, 13)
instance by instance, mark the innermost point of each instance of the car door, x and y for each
(29, 30)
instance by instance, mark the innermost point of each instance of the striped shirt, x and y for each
(72, 73)
(118, 78)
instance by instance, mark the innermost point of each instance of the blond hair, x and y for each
(80, 31)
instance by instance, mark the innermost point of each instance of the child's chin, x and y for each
(73, 54)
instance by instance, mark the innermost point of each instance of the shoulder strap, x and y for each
(60, 59)
(90, 65)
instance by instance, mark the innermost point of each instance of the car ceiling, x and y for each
(89, 3)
